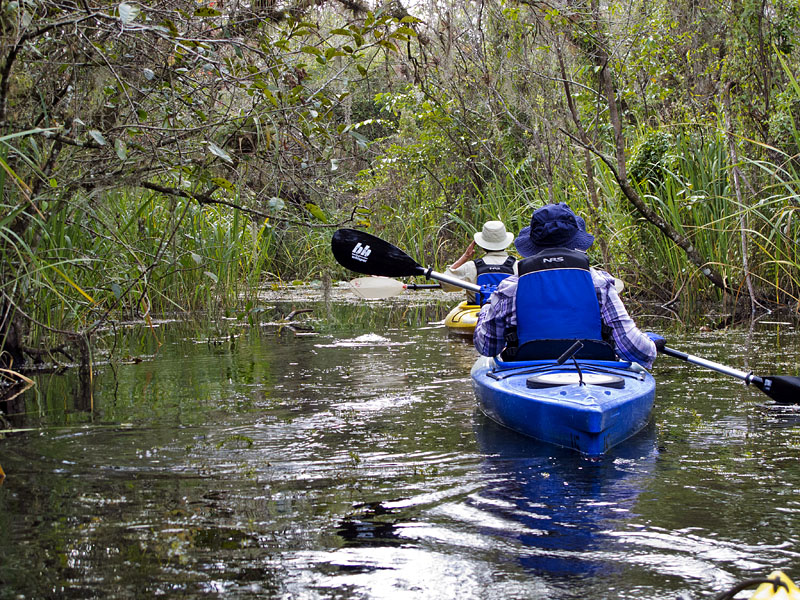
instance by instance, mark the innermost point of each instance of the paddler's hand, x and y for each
(658, 340)
(485, 295)
(468, 254)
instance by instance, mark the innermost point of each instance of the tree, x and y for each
(184, 100)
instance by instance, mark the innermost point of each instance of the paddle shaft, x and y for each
(422, 286)
(748, 378)
(431, 274)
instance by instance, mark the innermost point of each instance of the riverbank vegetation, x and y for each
(178, 155)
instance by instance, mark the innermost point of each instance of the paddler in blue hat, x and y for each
(557, 298)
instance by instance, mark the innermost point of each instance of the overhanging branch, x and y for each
(208, 199)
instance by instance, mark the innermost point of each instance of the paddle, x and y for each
(781, 388)
(377, 287)
(370, 255)
(386, 287)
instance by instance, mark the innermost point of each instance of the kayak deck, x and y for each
(462, 318)
(545, 401)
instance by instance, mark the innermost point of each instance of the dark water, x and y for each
(350, 462)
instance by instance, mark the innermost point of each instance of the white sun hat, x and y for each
(494, 236)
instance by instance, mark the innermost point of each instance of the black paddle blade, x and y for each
(783, 389)
(367, 254)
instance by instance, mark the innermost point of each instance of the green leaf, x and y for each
(316, 211)
(360, 139)
(173, 30)
(406, 31)
(97, 137)
(311, 50)
(217, 151)
(331, 52)
(121, 148)
(270, 96)
(224, 184)
(206, 11)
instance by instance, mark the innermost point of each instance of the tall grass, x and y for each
(690, 187)
(131, 255)
(695, 197)
(775, 231)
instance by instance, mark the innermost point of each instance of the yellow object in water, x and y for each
(462, 318)
(767, 591)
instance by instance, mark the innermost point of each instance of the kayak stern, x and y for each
(589, 418)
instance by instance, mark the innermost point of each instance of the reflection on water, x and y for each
(349, 462)
(562, 507)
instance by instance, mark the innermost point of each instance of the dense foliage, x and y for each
(174, 156)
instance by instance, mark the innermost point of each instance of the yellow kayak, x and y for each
(768, 591)
(462, 319)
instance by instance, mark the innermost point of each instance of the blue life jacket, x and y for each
(492, 274)
(557, 305)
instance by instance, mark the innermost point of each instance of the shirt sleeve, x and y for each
(631, 344)
(466, 272)
(495, 318)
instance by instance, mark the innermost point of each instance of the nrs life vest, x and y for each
(556, 305)
(492, 274)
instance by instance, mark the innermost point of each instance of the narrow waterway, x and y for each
(346, 459)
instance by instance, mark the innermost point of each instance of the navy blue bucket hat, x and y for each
(553, 226)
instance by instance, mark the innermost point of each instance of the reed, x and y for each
(134, 255)
(510, 197)
(690, 187)
(774, 231)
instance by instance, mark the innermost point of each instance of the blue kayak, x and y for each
(590, 407)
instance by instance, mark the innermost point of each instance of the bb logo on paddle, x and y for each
(361, 252)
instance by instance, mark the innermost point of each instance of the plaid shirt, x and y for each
(501, 313)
